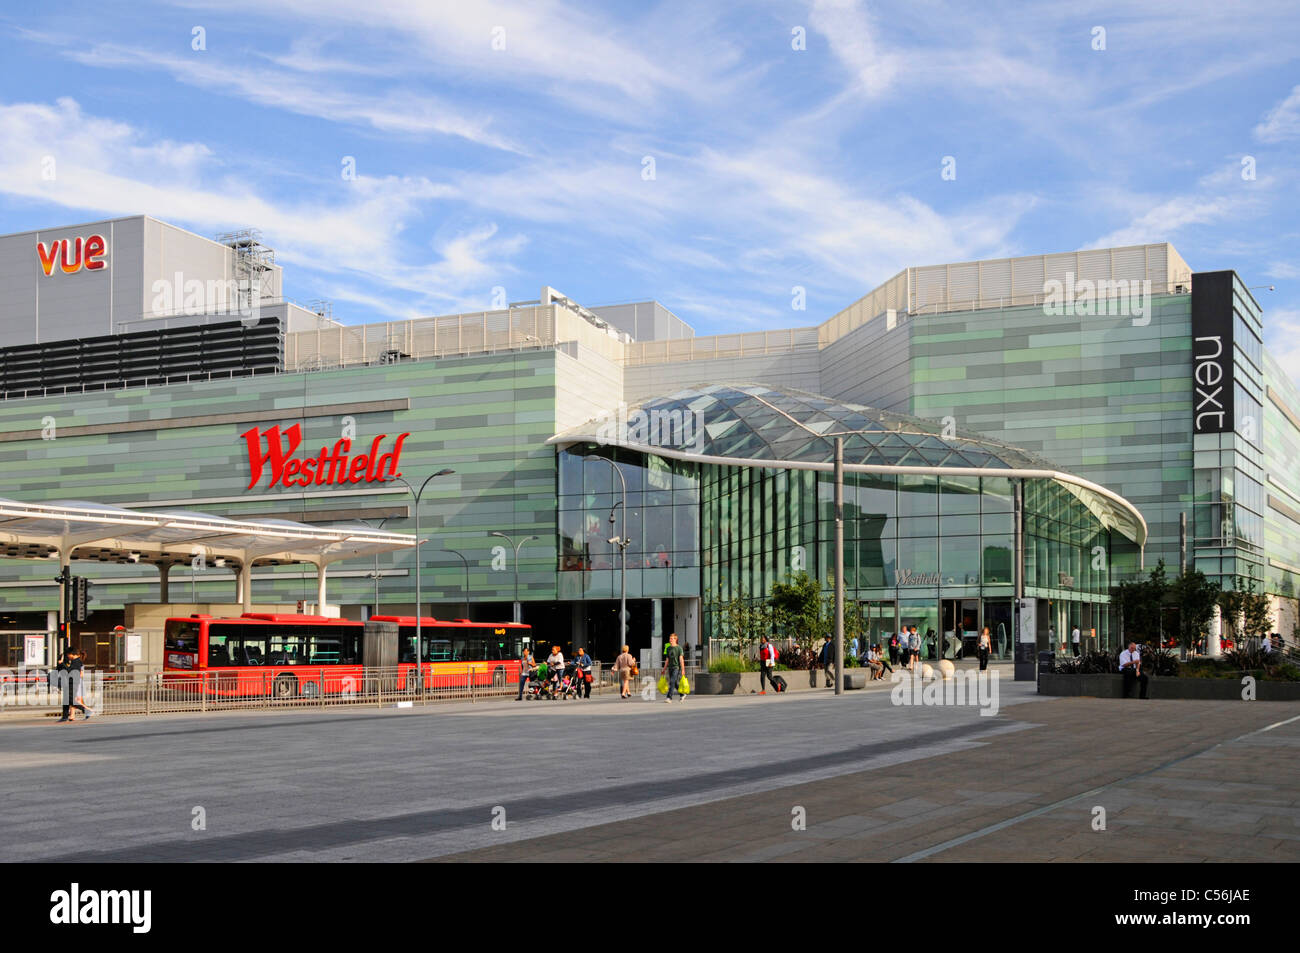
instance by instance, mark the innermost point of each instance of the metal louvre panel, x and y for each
(964, 282)
(1130, 262)
(1027, 276)
(1093, 265)
(995, 280)
(929, 286)
(1056, 268)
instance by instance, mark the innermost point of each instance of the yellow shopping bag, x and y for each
(684, 686)
(663, 685)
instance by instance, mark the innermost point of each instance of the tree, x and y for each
(1140, 602)
(1231, 604)
(742, 620)
(798, 610)
(1257, 618)
(1196, 598)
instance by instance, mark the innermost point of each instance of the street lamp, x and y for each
(376, 572)
(466, 562)
(517, 548)
(419, 667)
(622, 542)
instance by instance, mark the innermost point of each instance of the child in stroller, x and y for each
(570, 682)
(539, 683)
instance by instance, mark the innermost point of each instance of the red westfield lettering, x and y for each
(330, 466)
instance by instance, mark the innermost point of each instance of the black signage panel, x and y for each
(1212, 378)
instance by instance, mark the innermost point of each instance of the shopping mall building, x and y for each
(1038, 427)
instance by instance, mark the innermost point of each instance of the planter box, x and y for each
(742, 683)
(1196, 689)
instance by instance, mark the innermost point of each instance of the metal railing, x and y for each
(150, 693)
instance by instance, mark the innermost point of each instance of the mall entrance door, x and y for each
(881, 621)
(961, 619)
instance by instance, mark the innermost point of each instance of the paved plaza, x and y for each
(713, 778)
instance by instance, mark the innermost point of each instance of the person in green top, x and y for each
(673, 665)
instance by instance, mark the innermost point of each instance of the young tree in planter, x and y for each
(1139, 602)
(1257, 620)
(797, 609)
(1231, 603)
(1196, 598)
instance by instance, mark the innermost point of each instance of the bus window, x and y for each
(334, 647)
(218, 652)
(286, 650)
(181, 635)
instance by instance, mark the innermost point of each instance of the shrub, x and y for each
(731, 663)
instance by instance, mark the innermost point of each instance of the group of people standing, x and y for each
(581, 663)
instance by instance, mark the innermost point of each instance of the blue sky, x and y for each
(505, 144)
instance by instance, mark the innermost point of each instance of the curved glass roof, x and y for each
(755, 423)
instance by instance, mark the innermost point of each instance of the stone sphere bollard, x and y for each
(927, 673)
(946, 668)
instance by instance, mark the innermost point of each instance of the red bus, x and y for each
(287, 656)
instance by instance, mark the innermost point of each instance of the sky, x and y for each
(409, 157)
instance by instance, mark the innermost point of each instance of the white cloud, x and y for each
(1282, 335)
(851, 34)
(394, 111)
(356, 230)
(1282, 121)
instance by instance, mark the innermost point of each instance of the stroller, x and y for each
(539, 683)
(570, 682)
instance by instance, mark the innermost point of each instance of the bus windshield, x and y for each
(181, 635)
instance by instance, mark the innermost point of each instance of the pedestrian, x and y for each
(893, 647)
(884, 662)
(828, 662)
(985, 644)
(914, 647)
(766, 664)
(555, 666)
(1268, 644)
(673, 666)
(69, 669)
(1074, 639)
(625, 666)
(873, 661)
(1130, 666)
(526, 669)
(583, 663)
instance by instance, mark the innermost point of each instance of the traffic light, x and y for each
(80, 598)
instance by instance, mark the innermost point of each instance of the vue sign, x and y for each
(71, 255)
(329, 467)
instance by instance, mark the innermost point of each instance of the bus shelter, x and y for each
(69, 530)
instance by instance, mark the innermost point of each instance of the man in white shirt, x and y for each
(1268, 644)
(1130, 666)
(1074, 639)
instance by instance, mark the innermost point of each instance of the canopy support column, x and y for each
(164, 570)
(244, 585)
(320, 588)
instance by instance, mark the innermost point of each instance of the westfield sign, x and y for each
(329, 467)
(73, 255)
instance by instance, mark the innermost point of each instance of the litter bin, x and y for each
(1045, 662)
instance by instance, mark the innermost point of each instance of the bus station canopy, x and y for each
(73, 529)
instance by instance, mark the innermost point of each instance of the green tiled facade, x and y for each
(487, 417)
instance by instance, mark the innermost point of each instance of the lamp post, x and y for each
(466, 562)
(517, 548)
(376, 572)
(419, 667)
(622, 542)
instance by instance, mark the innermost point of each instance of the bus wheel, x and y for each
(310, 690)
(285, 686)
(499, 678)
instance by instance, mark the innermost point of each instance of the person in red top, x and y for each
(766, 664)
